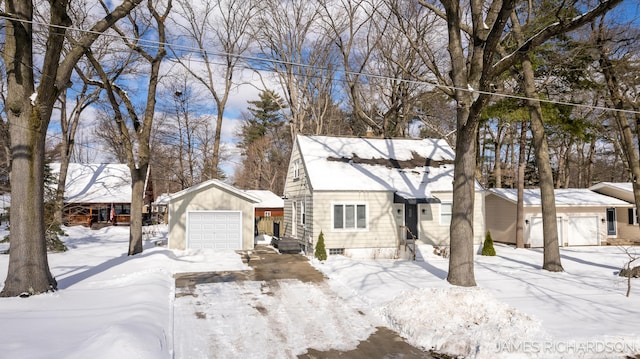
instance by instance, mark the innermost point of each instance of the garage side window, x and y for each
(445, 212)
(633, 216)
(349, 216)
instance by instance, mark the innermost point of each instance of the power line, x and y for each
(147, 42)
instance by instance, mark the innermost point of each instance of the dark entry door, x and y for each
(411, 219)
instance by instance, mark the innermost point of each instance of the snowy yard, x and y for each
(113, 306)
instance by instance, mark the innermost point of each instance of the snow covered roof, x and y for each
(412, 168)
(581, 197)
(96, 182)
(213, 183)
(621, 190)
(162, 199)
(267, 199)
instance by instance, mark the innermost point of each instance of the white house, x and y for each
(366, 195)
(584, 217)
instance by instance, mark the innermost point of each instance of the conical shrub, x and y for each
(320, 252)
(487, 247)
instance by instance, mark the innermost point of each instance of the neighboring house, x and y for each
(367, 195)
(627, 220)
(96, 193)
(159, 209)
(584, 217)
(269, 212)
(211, 214)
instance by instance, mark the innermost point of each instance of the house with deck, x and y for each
(369, 196)
(96, 193)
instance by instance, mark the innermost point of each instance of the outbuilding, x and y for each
(212, 215)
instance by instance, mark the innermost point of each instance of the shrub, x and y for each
(321, 252)
(487, 247)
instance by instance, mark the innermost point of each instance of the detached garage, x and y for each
(211, 215)
(584, 217)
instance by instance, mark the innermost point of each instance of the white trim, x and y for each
(355, 204)
(440, 213)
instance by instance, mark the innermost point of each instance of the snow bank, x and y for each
(458, 321)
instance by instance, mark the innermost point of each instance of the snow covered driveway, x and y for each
(279, 310)
(274, 319)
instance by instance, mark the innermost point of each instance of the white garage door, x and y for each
(583, 231)
(536, 236)
(214, 229)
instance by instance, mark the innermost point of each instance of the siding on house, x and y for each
(433, 231)
(208, 198)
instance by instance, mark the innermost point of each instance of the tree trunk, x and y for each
(461, 271)
(628, 144)
(551, 257)
(138, 178)
(520, 203)
(28, 271)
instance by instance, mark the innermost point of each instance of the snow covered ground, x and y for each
(113, 306)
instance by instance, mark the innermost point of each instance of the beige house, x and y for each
(584, 217)
(627, 229)
(369, 195)
(212, 215)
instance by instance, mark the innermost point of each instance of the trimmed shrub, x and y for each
(487, 247)
(320, 252)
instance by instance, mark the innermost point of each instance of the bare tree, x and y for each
(29, 113)
(136, 138)
(220, 30)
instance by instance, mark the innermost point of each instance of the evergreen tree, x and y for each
(321, 252)
(487, 248)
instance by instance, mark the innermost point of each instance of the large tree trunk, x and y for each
(461, 231)
(28, 271)
(551, 257)
(138, 178)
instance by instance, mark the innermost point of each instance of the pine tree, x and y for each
(321, 252)
(487, 248)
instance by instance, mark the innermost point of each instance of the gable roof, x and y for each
(569, 197)
(411, 168)
(267, 199)
(96, 182)
(209, 184)
(620, 190)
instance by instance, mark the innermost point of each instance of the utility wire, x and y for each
(191, 49)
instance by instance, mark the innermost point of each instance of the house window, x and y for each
(296, 169)
(446, 209)
(336, 251)
(633, 215)
(303, 215)
(349, 216)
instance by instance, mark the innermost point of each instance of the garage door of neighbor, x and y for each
(583, 231)
(536, 236)
(214, 229)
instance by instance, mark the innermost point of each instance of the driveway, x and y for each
(283, 308)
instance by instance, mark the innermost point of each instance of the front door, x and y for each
(411, 220)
